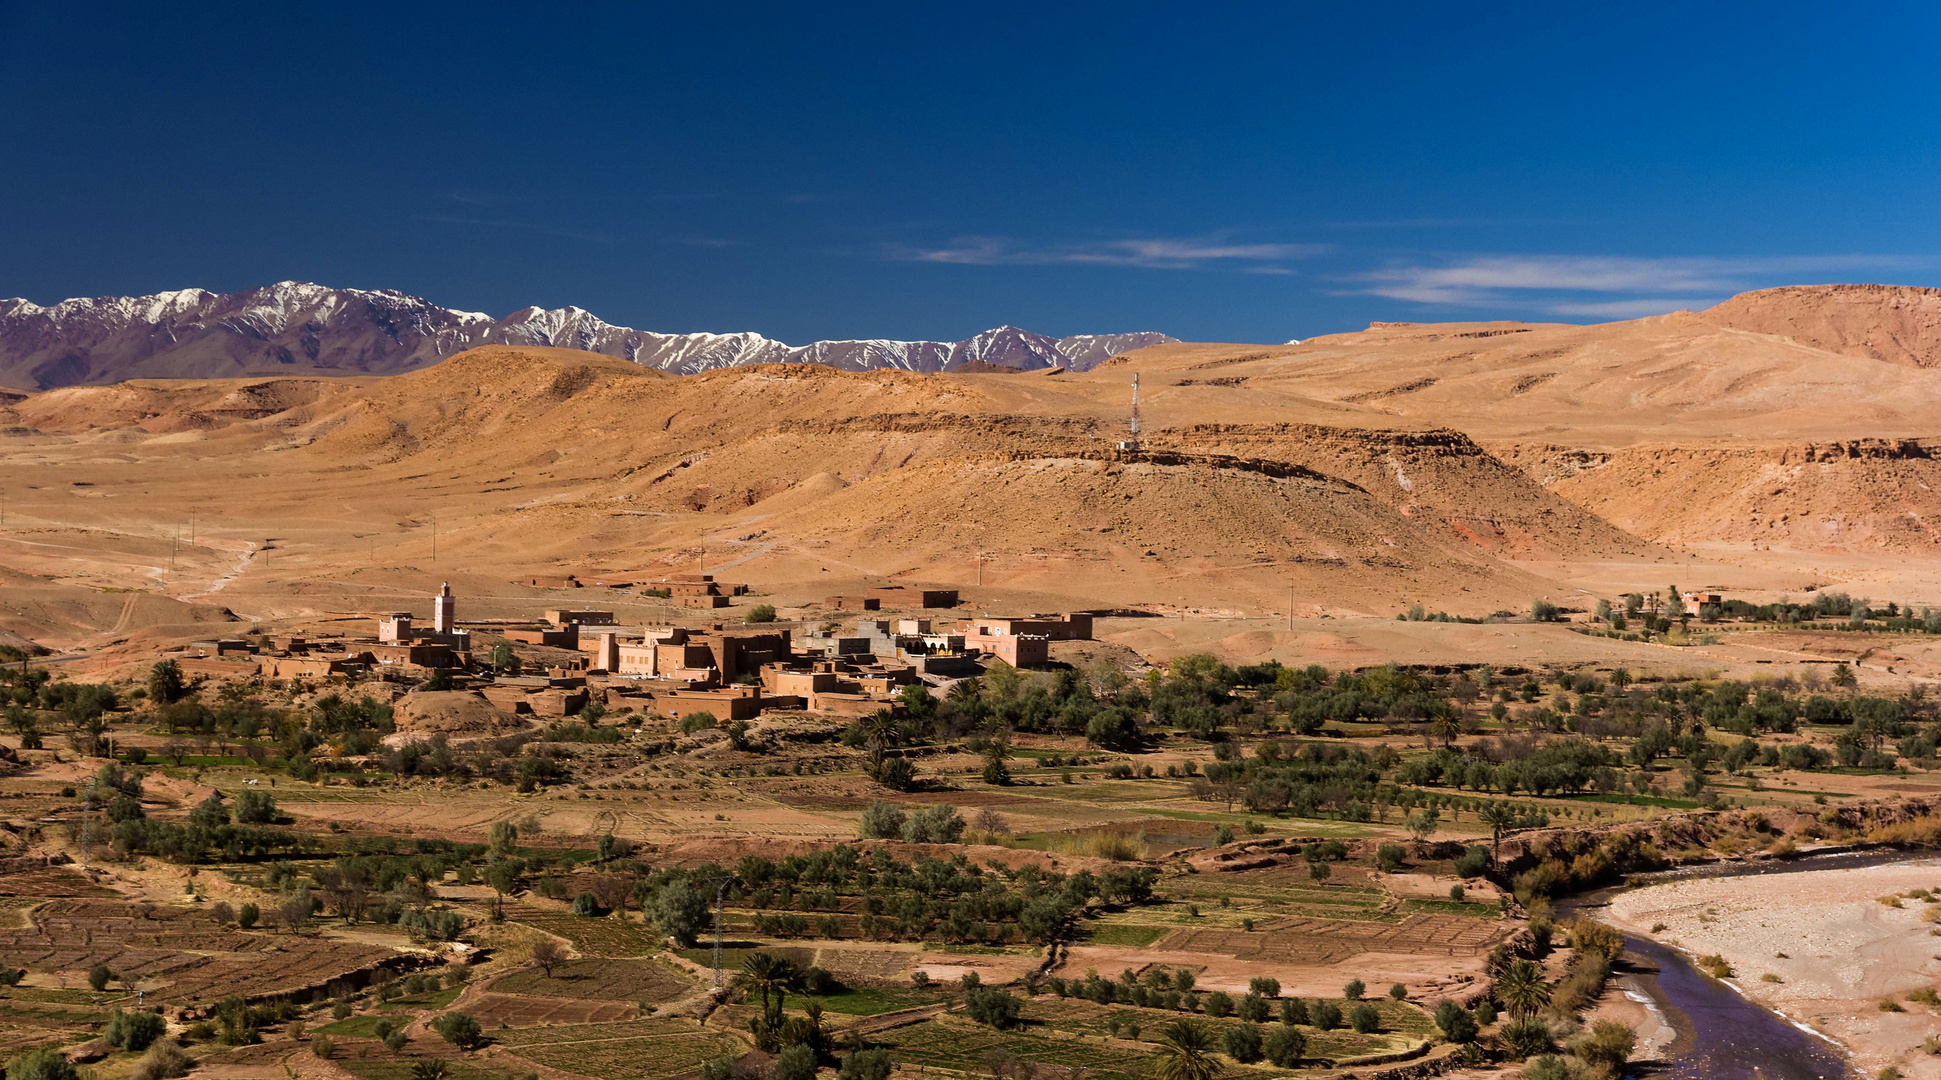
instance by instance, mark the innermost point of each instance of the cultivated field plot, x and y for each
(1330, 941)
(400, 1069)
(49, 882)
(650, 981)
(181, 955)
(948, 1042)
(1403, 1026)
(526, 1010)
(865, 963)
(590, 937)
(642, 1049)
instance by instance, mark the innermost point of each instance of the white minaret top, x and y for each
(442, 610)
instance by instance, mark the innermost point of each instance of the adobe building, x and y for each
(898, 596)
(1694, 602)
(708, 657)
(562, 618)
(396, 627)
(1076, 626)
(699, 590)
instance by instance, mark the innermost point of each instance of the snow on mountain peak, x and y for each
(300, 325)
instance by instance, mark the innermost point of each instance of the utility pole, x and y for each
(1290, 606)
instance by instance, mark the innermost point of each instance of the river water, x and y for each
(1722, 1036)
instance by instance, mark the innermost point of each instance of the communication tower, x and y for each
(1131, 441)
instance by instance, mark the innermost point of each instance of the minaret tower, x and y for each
(443, 608)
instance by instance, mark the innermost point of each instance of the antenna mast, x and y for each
(1132, 440)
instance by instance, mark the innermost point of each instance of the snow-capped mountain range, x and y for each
(296, 327)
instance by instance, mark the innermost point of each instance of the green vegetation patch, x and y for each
(874, 1000)
(356, 1027)
(1127, 934)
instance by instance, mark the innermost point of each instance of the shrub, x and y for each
(1716, 966)
(1456, 1025)
(323, 1047)
(1243, 1043)
(1364, 1019)
(584, 905)
(1399, 992)
(863, 1065)
(1285, 1047)
(134, 1031)
(459, 1029)
(1390, 857)
(98, 977)
(994, 1008)
(1294, 1011)
(795, 1063)
(760, 613)
(1253, 1009)
(45, 1064)
(1485, 1012)
(1219, 1004)
(881, 821)
(248, 915)
(1608, 1044)
(1354, 990)
(1473, 862)
(1326, 1015)
(938, 824)
(696, 721)
(1548, 1067)
(1526, 1038)
(1264, 986)
(164, 1061)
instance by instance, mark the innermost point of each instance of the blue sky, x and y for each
(1218, 172)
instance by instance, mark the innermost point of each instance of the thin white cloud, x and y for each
(1154, 253)
(1646, 286)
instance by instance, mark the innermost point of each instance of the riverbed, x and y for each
(1817, 947)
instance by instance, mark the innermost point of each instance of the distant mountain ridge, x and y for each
(296, 326)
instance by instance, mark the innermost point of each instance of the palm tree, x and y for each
(1186, 1052)
(1522, 990)
(880, 732)
(964, 692)
(1499, 817)
(768, 975)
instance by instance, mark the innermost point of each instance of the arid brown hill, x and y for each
(1468, 466)
(1896, 323)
